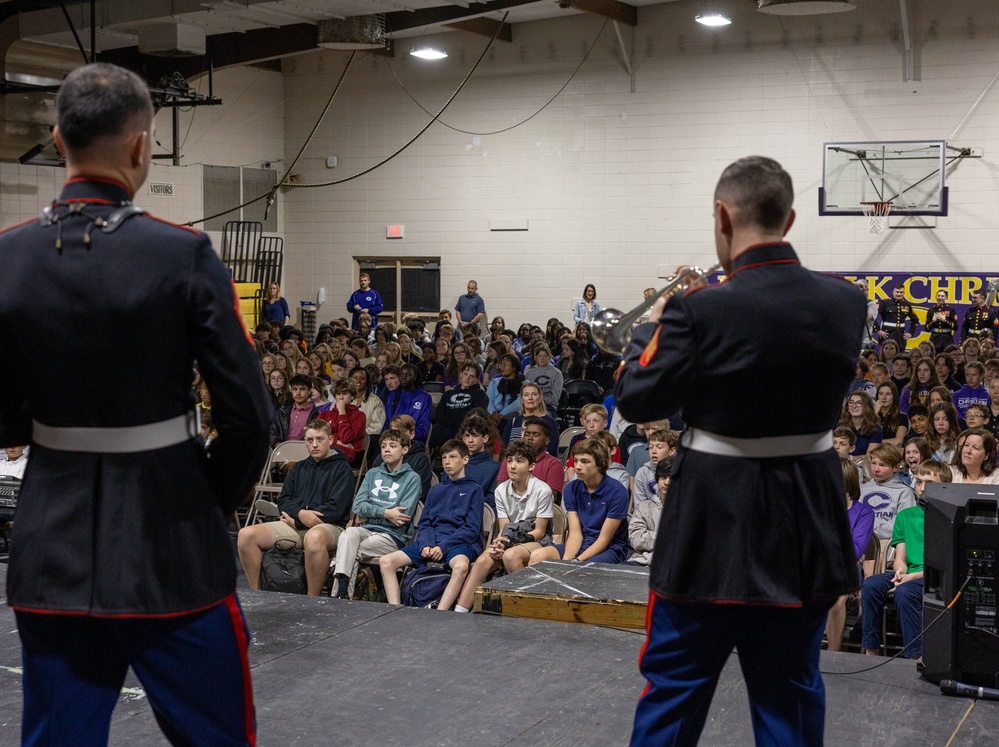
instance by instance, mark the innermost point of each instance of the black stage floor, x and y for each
(327, 671)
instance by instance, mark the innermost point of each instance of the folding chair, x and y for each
(266, 492)
(560, 524)
(488, 524)
(359, 471)
(564, 439)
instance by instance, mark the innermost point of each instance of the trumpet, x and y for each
(611, 329)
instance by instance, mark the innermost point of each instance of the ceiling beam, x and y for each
(612, 9)
(404, 20)
(485, 26)
(222, 50)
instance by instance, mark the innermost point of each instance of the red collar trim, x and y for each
(90, 201)
(765, 264)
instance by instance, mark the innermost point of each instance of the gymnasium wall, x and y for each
(615, 185)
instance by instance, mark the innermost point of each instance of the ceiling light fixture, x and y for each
(428, 53)
(712, 19)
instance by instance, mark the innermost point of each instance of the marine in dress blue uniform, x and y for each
(120, 555)
(754, 542)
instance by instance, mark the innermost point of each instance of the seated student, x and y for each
(597, 510)
(532, 405)
(843, 441)
(634, 439)
(479, 435)
(943, 432)
(905, 582)
(885, 493)
(615, 470)
(16, 461)
(546, 376)
(386, 501)
(449, 530)
(593, 418)
(504, 390)
(521, 498)
(347, 422)
(408, 398)
(973, 392)
(290, 419)
(978, 416)
(416, 457)
(547, 468)
(456, 403)
(861, 525)
(919, 422)
(916, 451)
(318, 394)
(314, 503)
(858, 413)
(643, 526)
(429, 368)
(338, 369)
(644, 485)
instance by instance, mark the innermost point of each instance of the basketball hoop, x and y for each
(877, 215)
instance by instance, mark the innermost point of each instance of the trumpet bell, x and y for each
(611, 329)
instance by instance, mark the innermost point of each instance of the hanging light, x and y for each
(712, 19)
(427, 52)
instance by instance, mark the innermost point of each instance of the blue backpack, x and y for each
(424, 587)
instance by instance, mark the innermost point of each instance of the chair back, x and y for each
(560, 524)
(488, 524)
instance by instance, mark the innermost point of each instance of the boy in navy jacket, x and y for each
(449, 532)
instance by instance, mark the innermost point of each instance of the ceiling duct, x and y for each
(359, 32)
(803, 7)
(171, 40)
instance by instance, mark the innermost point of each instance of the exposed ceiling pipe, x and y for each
(906, 40)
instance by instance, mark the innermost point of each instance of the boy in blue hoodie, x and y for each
(478, 435)
(973, 392)
(449, 532)
(386, 500)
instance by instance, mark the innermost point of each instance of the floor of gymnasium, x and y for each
(327, 671)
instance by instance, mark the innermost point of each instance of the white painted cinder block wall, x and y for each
(617, 184)
(246, 130)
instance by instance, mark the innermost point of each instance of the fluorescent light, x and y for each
(713, 19)
(428, 53)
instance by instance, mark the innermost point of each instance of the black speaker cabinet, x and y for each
(962, 545)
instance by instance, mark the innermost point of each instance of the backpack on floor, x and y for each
(424, 587)
(368, 585)
(282, 568)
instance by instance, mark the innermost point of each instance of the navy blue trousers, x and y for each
(687, 647)
(908, 604)
(194, 669)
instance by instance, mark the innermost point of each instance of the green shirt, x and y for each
(909, 529)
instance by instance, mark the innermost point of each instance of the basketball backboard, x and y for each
(908, 174)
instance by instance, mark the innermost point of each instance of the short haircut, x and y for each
(902, 357)
(364, 275)
(850, 478)
(522, 449)
(454, 445)
(890, 454)
(319, 425)
(345, 386)
(543, 424)
(596, 449)
(879, 366)
(663, 436)
(389, 370)
(608, 440)
(299, 380)
(760, 189)
(933, 467)
(984, 409)
(403, 423)
(473, 366)
(476, 426)
(847, 433)
(394, 434)
(590, 408)
(101, 100)
(263, 327)
(920, 410)
(975, 366)
(664, 468)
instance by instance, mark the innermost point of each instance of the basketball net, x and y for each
(877, 215)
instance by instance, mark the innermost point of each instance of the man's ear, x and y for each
(137, 151)
(724, 216)
(790, 222)
(57, 136)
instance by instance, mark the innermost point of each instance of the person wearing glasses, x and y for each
(860, 416)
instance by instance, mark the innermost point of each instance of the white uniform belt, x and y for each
(707, 442)
(118, 440)
(892, 324)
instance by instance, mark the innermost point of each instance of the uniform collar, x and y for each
(762, 255)
(96, 190)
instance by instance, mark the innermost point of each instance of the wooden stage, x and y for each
(587, 593)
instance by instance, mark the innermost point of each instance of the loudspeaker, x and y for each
(961, 555)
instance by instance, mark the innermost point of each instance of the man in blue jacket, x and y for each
(314, 503)
(365, 300)
(449, 532)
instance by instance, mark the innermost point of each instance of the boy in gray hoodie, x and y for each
(387, 499)
(886, 494)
